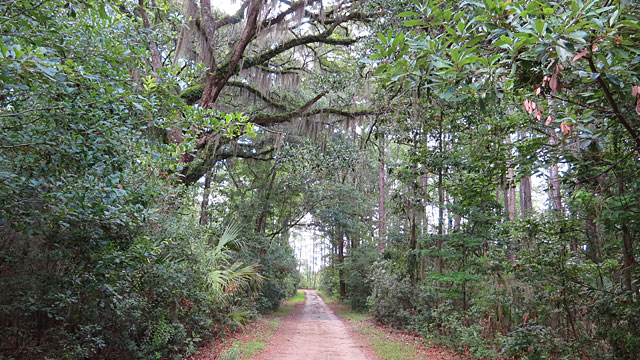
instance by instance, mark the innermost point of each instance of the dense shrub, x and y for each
(153, 299)
(391, 296)
(358, 268)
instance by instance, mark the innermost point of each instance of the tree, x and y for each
(307, 35)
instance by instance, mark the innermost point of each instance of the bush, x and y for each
(329, 280)
(357, 270)
(390, 300)
(528, 341)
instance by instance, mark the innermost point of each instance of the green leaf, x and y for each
(563, 53)
(540, 26)
(629, 23)
(613, 17)
(410, 23)
(578, 36)
(398, 41)
(102, 12)
(408, 14)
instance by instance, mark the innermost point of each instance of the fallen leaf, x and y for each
(549, 120)
(565, 128)
(635, 91)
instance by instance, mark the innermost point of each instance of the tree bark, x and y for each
(215, 81)
(627, 247)
(525, 196)
(512, 193)
(156, 59)
(381, 195)
(505, 194)
(205, 199)
(413, 245)
(526, 203)
(439, 242)
(262, 219)
(343, 285)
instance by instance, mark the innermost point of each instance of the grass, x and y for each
(386, 346)
(288, 304)
(261, 333)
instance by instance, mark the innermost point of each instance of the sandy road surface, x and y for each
(314, 333)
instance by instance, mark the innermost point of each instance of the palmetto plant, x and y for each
(223, 275)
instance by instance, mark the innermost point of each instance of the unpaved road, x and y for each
(314, 333)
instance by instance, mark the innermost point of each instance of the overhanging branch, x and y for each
(254, 91)
(310, 39)
(263, 119)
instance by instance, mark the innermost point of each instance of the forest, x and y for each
(471, 170)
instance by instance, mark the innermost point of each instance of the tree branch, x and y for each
(280, 17)
(613, 104)
(271, 53)
(265, 56)
(263, 119)
(253, 90)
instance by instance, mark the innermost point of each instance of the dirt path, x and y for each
(314, 333)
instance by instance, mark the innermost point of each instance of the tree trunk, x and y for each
(526, 203)
(627, 246)
(262, 219)
(593, 242)
(505, 193)
(205, 199)
(439, 242)
(425, 219)
(525, 196)
(156, 60)
(512, 194)
(555, 198)
(457, 219)
(343, 286)
(413, 245)
(215, 80)
(381, 195)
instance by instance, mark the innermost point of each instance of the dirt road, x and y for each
(314, 333)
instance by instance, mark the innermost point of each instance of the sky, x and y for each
(228, 6)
